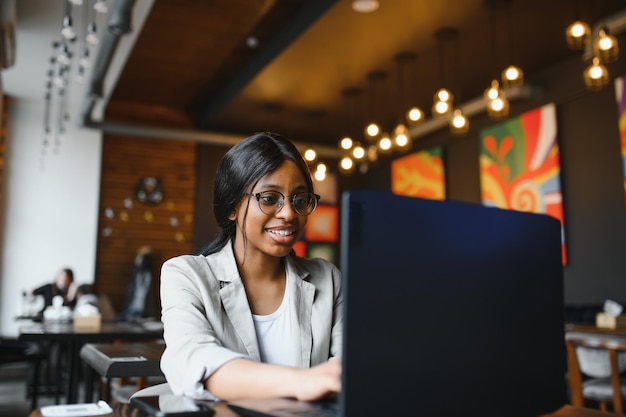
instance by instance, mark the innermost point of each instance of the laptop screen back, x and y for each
(452, 309)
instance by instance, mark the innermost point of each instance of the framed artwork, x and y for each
(620, 95)
(322, 225)
(420, 174)
(322, 250)
(519, 165)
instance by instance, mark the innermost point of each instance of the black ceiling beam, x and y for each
(308, 13)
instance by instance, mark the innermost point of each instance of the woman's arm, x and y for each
(241, 378)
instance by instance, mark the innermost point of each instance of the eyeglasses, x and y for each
(271, 202)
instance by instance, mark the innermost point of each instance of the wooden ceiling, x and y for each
(192, 66)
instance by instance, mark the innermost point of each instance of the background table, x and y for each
(72, 340)
(121, 360)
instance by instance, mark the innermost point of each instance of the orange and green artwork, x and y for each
(519, 165)
(620, 94)
(420, 174)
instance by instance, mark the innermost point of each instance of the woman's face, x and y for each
(62, 280)
(270, 234)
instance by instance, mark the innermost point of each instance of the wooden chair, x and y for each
(598, 378)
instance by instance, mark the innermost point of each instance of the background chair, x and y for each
(13, 351)
(594, 364)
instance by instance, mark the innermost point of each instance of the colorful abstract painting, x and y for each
(620, 94)
(519, 165)
(322, 225)
(420, 174)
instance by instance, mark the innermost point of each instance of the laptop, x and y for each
(451, 309)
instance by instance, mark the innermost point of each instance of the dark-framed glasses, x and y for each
(271, 202)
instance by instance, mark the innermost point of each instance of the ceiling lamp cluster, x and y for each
(511, 76)
(443, 100)
(71, 58)
(605, 49)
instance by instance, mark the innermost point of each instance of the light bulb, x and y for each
(385, 145)
(372, 130)
(512, 76)
(415, 116)
(372, 153)
(596, 75)
(92, 36)
(498, 108)
(100, 6)
(319, 175)
(444, 94)
(365, 6)
(494, 91)
(459, 122)
(577, 35)
(346, 143)
(346, 164)
(358, 152)
(441, 108)
(310, 155)
(606, 47)
(67, 31)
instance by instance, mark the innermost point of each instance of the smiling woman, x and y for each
(249, 309)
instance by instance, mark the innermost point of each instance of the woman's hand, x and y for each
(319, 381)
(242, 378)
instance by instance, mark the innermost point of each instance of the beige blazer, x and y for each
(207, 320)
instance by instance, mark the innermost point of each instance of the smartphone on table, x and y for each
(169, 405)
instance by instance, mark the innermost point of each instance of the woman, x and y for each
(63, 285)
(248, 318)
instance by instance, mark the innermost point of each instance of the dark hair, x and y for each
(69, 273)
(245, 164)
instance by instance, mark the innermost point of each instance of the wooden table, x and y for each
(65, 335)
(590, 328)
(121, 360)
(222, 410)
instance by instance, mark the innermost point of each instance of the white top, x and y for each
(274, 333)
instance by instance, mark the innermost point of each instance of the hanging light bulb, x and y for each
(385, 145)
(496, 101)
(346, 164)
(577, 35)
(92, 36)
(605, 47)
(415, 116)
(512, 76)
(67, 31)
(493, 92)
(596, 75)
(498, 108)
(441, 108)
(320, 172)
(372, 131)
(443, 94)
(459, 123)
(442, 102)
(100, 6)
(402, 141)
(358, 152)
(372, 153)
(346, 143)
(310, 155)
(401, 136)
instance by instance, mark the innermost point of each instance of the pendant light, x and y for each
(443, 99)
